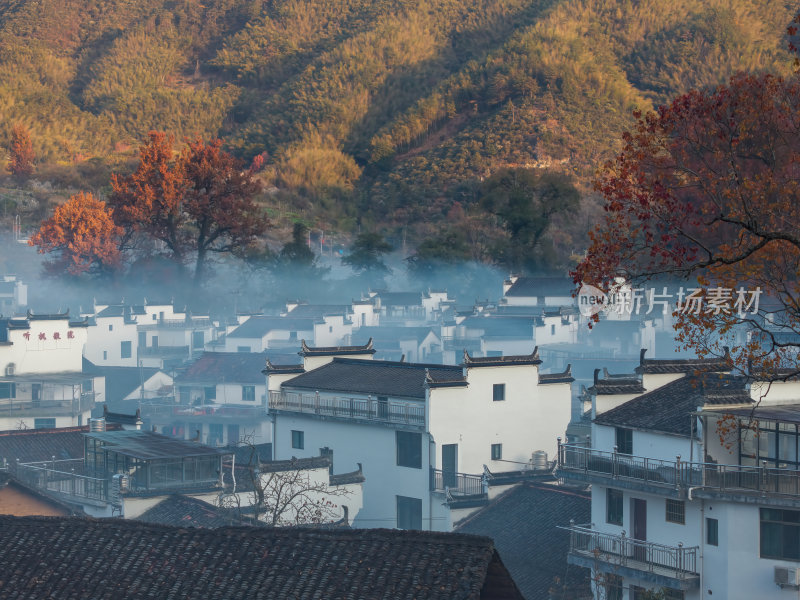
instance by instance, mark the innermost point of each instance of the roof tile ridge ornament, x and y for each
(304, 346)
(642, 352)
(467, 357)
(535, 353)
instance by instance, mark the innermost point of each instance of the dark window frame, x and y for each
(408, 449)
(779, 533)
(248, 393)
(623, 438)
(409, 512)
(675, 511)
(498, 392)
(126, 349)
(298, 439)
(497, 451)
(712, 531)
(614, 506)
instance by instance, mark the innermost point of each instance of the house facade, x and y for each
(416, 428)
(695, 488)
(42, 383)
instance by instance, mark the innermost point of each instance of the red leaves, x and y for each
(83, 234)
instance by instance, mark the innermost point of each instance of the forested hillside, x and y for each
(387, 114)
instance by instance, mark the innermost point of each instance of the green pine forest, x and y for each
(383, 115)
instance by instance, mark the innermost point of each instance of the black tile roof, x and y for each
(36, 445)
(377, 377)
(184, 511)
(668, 408)
(565, 377)
(615, 384)
(258, 327)
(316, 311)
(685, 365)
(400, 298)
(499, 361)
(306, 350)
(115, 558)
(541, 286)
(523, 522)
(229, 367)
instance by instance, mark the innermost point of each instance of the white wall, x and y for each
(374, 446)
(104, 345)
(531, 417)
(30, 354)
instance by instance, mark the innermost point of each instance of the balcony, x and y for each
(668, 566)
(183, 411)
(385, 411)
(198, 323)
(589, 465)
(27, 407)
(64, 478)
(462, 484)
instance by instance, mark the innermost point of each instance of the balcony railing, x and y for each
(165, 351)
(676, 562)
(61, 477)
(370, 409)
(217, 410)
(677, 473)
(176, 324)
(11, 407)
(458, 483)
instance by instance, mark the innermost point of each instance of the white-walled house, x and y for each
(112, 336)
(261, 333)
(538, 291)
(222, 395)
(695, 489)
(13, 295)
(416, 427)
(42, 383)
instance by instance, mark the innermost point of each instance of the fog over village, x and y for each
(494, 299)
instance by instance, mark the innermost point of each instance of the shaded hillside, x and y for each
(381, 112)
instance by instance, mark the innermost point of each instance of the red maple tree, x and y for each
(708, 187)
(21, 156)
(82, 236)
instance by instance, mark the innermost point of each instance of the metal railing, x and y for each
(677, 473)
(458, 483)
(60, 477)
(165, 351)
(194, 323)
(680, 562)
(370, 409)
(30, 407)
(217, 410)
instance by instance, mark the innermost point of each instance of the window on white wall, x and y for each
(497, 451)
(676, 511)
(298, 439)
(780, 533)
(125, 349)
(44, 423)
(409, 449)
(248, 393)
(499, 392)
(409, 513)
(613, 506)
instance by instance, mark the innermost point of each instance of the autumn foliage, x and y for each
(21, 156)
(708, 188)
(196, 203)
(82, 235)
